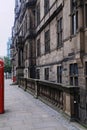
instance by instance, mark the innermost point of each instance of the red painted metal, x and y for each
(1, 86)
(14, 78)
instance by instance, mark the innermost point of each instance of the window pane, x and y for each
(85, 68)
(38, 14)
(38, 47)
(71, 69)
(59, 31)
(59, 74)
(46, 6)
(74, 5)
(47, 41)
(86, 109)
(60, 78)
(38, 73)
(74, 24)
(71, 80)
(60, 24)
(86, 14)
(76, 81)
(74, 12)
(46, 73)
(76, 20)
(75, 68)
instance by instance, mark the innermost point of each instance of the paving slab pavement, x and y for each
(24, 112)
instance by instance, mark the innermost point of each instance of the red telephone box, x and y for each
(1, 86)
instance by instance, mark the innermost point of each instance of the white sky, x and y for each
(6, 23)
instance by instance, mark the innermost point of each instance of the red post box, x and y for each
(1, 86)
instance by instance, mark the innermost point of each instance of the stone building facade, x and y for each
(50, 43)
(23, 36)
(60, 35)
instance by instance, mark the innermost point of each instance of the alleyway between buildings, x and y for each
(24, 112)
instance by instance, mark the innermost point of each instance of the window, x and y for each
(86, 109)
(74, 74)
(38, 14)
(26, 51)
(74, 13)
(38, 73)
(46, 73)
(59, 74)
(86, 14)
(85, 68)
(59, 31)
(47, 41)
(25, 23)
(19, 60)
(20, 57)
(86, 74)
(31, 49)
(46, 6)
(38, 48)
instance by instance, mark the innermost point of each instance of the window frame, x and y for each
(46, 73)
(26, 50)
(60, 32)
(38, 13)
(86, 74)
(38, 73)
(38, 48)
(59, 74)
(47, 41)
(86, 15)
(46, 6)
(74, 17)
(73, 73)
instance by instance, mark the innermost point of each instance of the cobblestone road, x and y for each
(24, 112)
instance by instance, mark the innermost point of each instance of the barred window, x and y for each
(74, 13)
(47, 41)
(38, 48)
(46, 73)
(59, 74)
(74, 74)
(46, 6)
(59, 32)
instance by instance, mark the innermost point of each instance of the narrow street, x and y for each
(24, 112)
